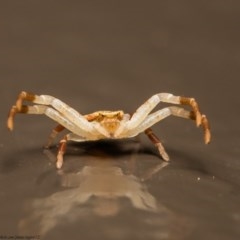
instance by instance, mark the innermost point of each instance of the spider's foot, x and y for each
(10, 124)
(59, 162)
(207, 137)
(61, 151)
(162, 152)
(11, 115)
(206, 128)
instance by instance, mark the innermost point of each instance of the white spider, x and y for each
(107, 124)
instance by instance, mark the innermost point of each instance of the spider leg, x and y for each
(59, 128)
(12, 113)
(175, 111)
(143, 111)
(62, 147)
(156, 141)
(69, 113)
(50, 112)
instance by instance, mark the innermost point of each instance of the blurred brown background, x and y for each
(114, 55)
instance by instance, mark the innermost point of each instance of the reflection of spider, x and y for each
(107, 124)
(98, 188)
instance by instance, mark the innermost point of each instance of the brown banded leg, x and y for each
(180, 112)
(205, 126)
(24, 96)
(59, 128)
(19, 108)
(156, 141)
(192, 102)
(206, 129)
(12, 113)
(61, 151)
(35, 109)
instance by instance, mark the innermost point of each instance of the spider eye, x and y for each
(119, 115)
(100, 117)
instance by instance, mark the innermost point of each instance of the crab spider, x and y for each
(107, 124)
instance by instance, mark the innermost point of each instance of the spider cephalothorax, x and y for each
(109, 120)
(108, 124)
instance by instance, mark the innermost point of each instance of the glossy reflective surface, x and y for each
(114, 56)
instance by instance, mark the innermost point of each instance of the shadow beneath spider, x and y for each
(111, 148)
(119, 148)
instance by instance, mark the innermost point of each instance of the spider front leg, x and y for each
(175, 111)
(143, 111)
(85, 127)
(48, 111)
(160, 115)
